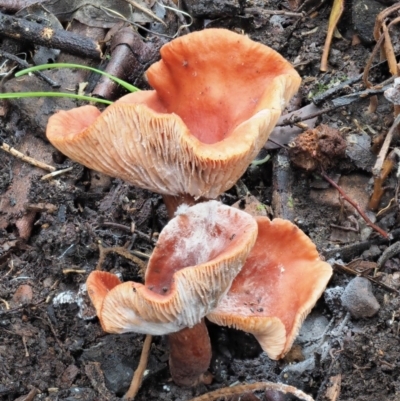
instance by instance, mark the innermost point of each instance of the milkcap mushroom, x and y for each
(198, 254)
(217, 96)
(281, 281)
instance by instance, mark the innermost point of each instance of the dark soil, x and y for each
(50, 233)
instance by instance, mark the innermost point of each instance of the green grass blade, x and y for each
(123, 83)
(261, 161)
(21, 95)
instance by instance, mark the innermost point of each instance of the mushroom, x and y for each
(217, 96)
(197, 256)
(196, 271)
(281, 281)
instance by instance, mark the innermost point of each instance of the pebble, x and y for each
(372, 253)
(359, 299)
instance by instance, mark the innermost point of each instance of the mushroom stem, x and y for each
(190, 355)
(172, 202)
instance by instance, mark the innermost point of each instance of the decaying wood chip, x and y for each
(28, 397)
(333, 391)
(95, 375)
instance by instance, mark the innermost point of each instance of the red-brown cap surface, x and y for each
(217, 97)
(197, 256)
(281, 281)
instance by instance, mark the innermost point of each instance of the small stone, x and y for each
(23, 295)
(372, 252)
(48, 282)
(359, 299)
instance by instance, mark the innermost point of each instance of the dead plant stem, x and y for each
(385, 147)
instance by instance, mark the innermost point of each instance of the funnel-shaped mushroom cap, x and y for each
(281, 281)
(217, 97)
(196, 258)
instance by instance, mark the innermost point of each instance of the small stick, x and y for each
(138, 375)
(354, 204)
(385, 147)
(388, 253)
(145, 11)
(25, 64)
(128, 229)
(56, 173)
(77, 271)
(257, 10)
(353, 272)
(26, 159)
(120, 251)
(296, 119)
(230, 391)
(28, 31)
(5, 303)
(25, 346)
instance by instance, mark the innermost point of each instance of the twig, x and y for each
(128, 229)
(354, 204)
(5, 303)
(25, 346)
(24, 30)
(295, 119)
(257, 11)
(388, 253)
(76, 271)
(385, 147)
(349, 252)
(120, 251)
(146, 11)
(117, 225)
(60, 344)
(25, 64)
(56, 173)
(230, 391)
(19, 308)
(26, 159)
(353, 272)
(138, 375)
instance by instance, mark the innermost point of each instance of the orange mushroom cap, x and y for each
(281, 281)
(217, 97)
(197, 256)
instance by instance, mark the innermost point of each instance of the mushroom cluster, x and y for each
(217, 96)
(218, 262)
